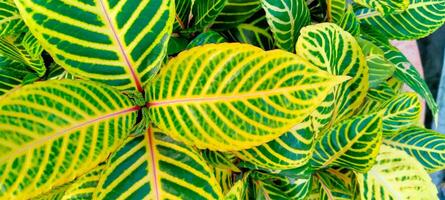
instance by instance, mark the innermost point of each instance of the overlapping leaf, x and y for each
(352, 144)
(400, 112)
(210, 37)
(55, 131)
(385, 6)
(204, 12)
(426, 146)
(240, 189)
(224, 178)
(154, 166)
(326, 186)
(349, 22)
(291, 150)
(420, 19)
(286, 18)
(235, 96)
(330, 48)
(236, 12)
(183, 9)
(119, 43)
(220, 159)
(396, 175)
(335, 9)
(12, 75)
(85, 186)
(10, 20)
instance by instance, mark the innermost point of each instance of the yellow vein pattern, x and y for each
(330, 48)
(85, 186)
(239, 190)
(352, 144)
(224, 178)
(286, 18)
(235, 12)
(154, 166)
(396, 175)
(10, 20)
(421, 18)
(426, 146)
(119, 43)
(204, 12)
(11, 75)
(291, 150)
(385, 6)
(335, 9)
(281, 187)
(401, 111)
(233, 96)
(52, 132)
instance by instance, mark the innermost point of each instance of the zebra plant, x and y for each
(214, 99)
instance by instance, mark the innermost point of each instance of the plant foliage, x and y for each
(218, 99)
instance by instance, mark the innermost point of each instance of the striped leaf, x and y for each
(382, 93)
(426, 146)
(279, 187)
(351, 144)
(385, 6)
(240, 189)
(286, 18)
(254, 31)
(292, 149)
(349, 22)
(380, 69)
(10, 20)
(55, 131)
(119, 43)
(332, 49)
(335, 9)
(57, 72)
(396, 175)
(154, 166)
(229, 97)
(25, 50)
(210, 37)
(400, 112)
(421, 18)
(224, 178)
(204, 12)
(236, 12)
(183, 11)
(220, 160)
(326, 186)
(12, 75)
(85, 186)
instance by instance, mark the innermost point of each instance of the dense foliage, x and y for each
(214, 99)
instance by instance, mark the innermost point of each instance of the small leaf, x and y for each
(235, 12)
(55, 131)
(351, 144)
(154, 166)
(349, 22)
(426, 146)
(286, 18)
(209, 37)
(385, 6)
(400, 112)
(239, 191)
(204, 12)
(220, 160)
(335, 9)
(421, 18)
(230, 97)
(396, 175)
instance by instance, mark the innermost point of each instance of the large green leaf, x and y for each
(229, 97)
(426, 146)
(291, 150)
(332, 49)
(204, 12)
(396, 175)
(119, 43)
(236, 12)
(420, 19)
(352, 144)
(154, 166)
(254, 31)
(401, 111)
(385, 6)
(55, 131)
(25, 50)
(286, 18)
(10, 20)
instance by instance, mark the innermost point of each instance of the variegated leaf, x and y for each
(385, 6)
(204, 12)
(240, 190)
(85, 186)
(154, 166)
(421, 18)
(221, 160)
(182, 15)
(291, 150)
(351, 144)
(230, 97)
(286, 18)
(349, 22)
(25, 50)
(401, 111)
(12, 75)
(210, 37)
(224, 178)
(326, 186)
(330, 48)
(396, 175)
(426, 146)
(55, 131)
(379, 68)
(10, 20)
(119, 43)
(254, 31)
(335, 9)
(236, 12)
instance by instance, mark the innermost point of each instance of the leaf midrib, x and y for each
(41, 141)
